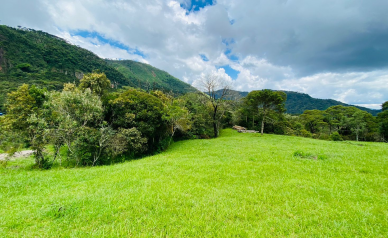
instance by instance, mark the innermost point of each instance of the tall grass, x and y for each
(243, 185)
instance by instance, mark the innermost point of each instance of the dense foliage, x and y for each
(264, 102)
(92, 125)
(383, 121)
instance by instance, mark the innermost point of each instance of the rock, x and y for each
(239, 128)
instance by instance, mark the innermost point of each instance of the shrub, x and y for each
(305, 155)
(301, 154)
(305, 133)
(335, 136)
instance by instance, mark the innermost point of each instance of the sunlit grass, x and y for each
(243, 185)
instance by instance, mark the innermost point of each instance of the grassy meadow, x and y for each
(238, 185)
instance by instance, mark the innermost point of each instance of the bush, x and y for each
(305, 155)
(305, 133)
(335, 136)
(373, 136)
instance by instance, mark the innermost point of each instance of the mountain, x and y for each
(146, 76)
(297, 103)
(35, 57)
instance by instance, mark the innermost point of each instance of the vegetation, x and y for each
(216, 104)
(96, 127)
(265, 101)
(383, 121)
(149, 78)
(235, 185)
(348, 123)
(297, 103)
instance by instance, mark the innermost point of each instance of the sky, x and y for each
(335, 49)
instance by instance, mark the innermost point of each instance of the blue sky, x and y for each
(230, 71)
(102, 39)
(196, 5)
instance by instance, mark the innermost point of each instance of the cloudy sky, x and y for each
(327, 48)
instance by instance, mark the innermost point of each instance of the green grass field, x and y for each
(238, 185)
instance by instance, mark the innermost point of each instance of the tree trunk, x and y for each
(215, 128)
(262, 126)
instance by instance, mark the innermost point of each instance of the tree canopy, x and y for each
(266, 101)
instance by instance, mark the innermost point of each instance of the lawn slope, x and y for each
(243, 185)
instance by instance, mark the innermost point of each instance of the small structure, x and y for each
(1, 114)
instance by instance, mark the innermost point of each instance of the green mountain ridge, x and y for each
(35, 57)
(146, 76)
(297, 103)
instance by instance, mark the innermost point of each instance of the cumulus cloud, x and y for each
(326, 48)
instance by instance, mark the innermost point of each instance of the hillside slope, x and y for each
(297, 103)
(238, 185)
(146, 76)
(36, 57)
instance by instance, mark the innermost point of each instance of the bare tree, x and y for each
(215, 91)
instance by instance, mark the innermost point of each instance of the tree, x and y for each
(383, 122)
(140, 110)
(201, 120)
(175, 113)
(266, 101)
(25, 120)
(37, 131)
(313, 120)
(385, 106)
(97, 82)
(216, 90)
(358, 124)
(71, 112)
(127, 141)
(20, 106)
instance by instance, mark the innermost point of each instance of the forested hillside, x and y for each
(36, 57)
(146, 76)
(297, 103)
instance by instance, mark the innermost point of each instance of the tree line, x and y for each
(88, 124)
(335, 123)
